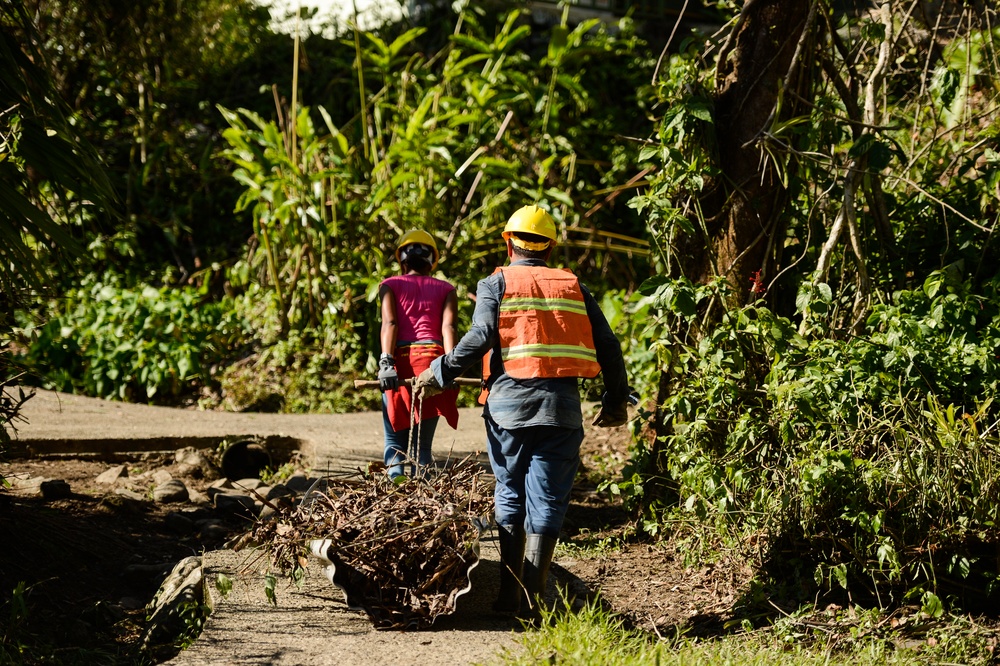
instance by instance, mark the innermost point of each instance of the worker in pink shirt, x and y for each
(419, 324)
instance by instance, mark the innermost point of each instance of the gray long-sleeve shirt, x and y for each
(519, 403)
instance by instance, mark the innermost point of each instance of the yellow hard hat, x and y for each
(531, 220)
(421, 237)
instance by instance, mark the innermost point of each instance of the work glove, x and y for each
(611, 416)
(388, 380)
(426, 384)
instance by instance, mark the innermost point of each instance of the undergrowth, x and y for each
(139, 344)
(857, 467)
(852, 636)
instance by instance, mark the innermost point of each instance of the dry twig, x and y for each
(401, 553)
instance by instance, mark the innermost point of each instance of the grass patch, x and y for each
(592, 636)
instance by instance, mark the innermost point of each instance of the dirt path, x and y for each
(62, 423)
(312, 625)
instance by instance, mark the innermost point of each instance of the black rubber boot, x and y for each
(509, 597)
(538, 551)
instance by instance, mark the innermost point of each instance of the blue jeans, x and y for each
(397, 444)
(534, 469)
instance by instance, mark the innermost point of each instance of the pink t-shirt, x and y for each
(419, 306)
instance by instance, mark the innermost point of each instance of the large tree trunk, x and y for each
(762, 62)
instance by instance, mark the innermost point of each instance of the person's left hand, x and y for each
(426, 384)
(611, 416)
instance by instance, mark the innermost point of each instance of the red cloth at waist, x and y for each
(411, 360)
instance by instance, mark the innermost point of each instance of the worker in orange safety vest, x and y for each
(538, 330)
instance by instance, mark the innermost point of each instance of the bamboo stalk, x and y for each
(293, 135)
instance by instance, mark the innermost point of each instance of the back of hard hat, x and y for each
(531, 220)
(417, 236)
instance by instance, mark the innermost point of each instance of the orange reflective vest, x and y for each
(543, 326)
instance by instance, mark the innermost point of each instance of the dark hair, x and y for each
(531, 254)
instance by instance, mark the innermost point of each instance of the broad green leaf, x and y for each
(931, 605)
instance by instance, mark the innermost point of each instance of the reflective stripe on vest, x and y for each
(543, 325)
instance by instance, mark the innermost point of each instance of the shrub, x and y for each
(866, 462)
(136, 344)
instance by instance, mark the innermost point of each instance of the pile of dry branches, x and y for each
(401, 553)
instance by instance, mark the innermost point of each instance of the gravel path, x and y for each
(311, 625)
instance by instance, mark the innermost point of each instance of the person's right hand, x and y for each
(388, 379)
(426, 384)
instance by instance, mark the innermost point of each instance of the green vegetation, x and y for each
(837, 427)
(591, 637)
(135, 344)
(449, 131)
(851, 453)
(797, 250)
(329, 200)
